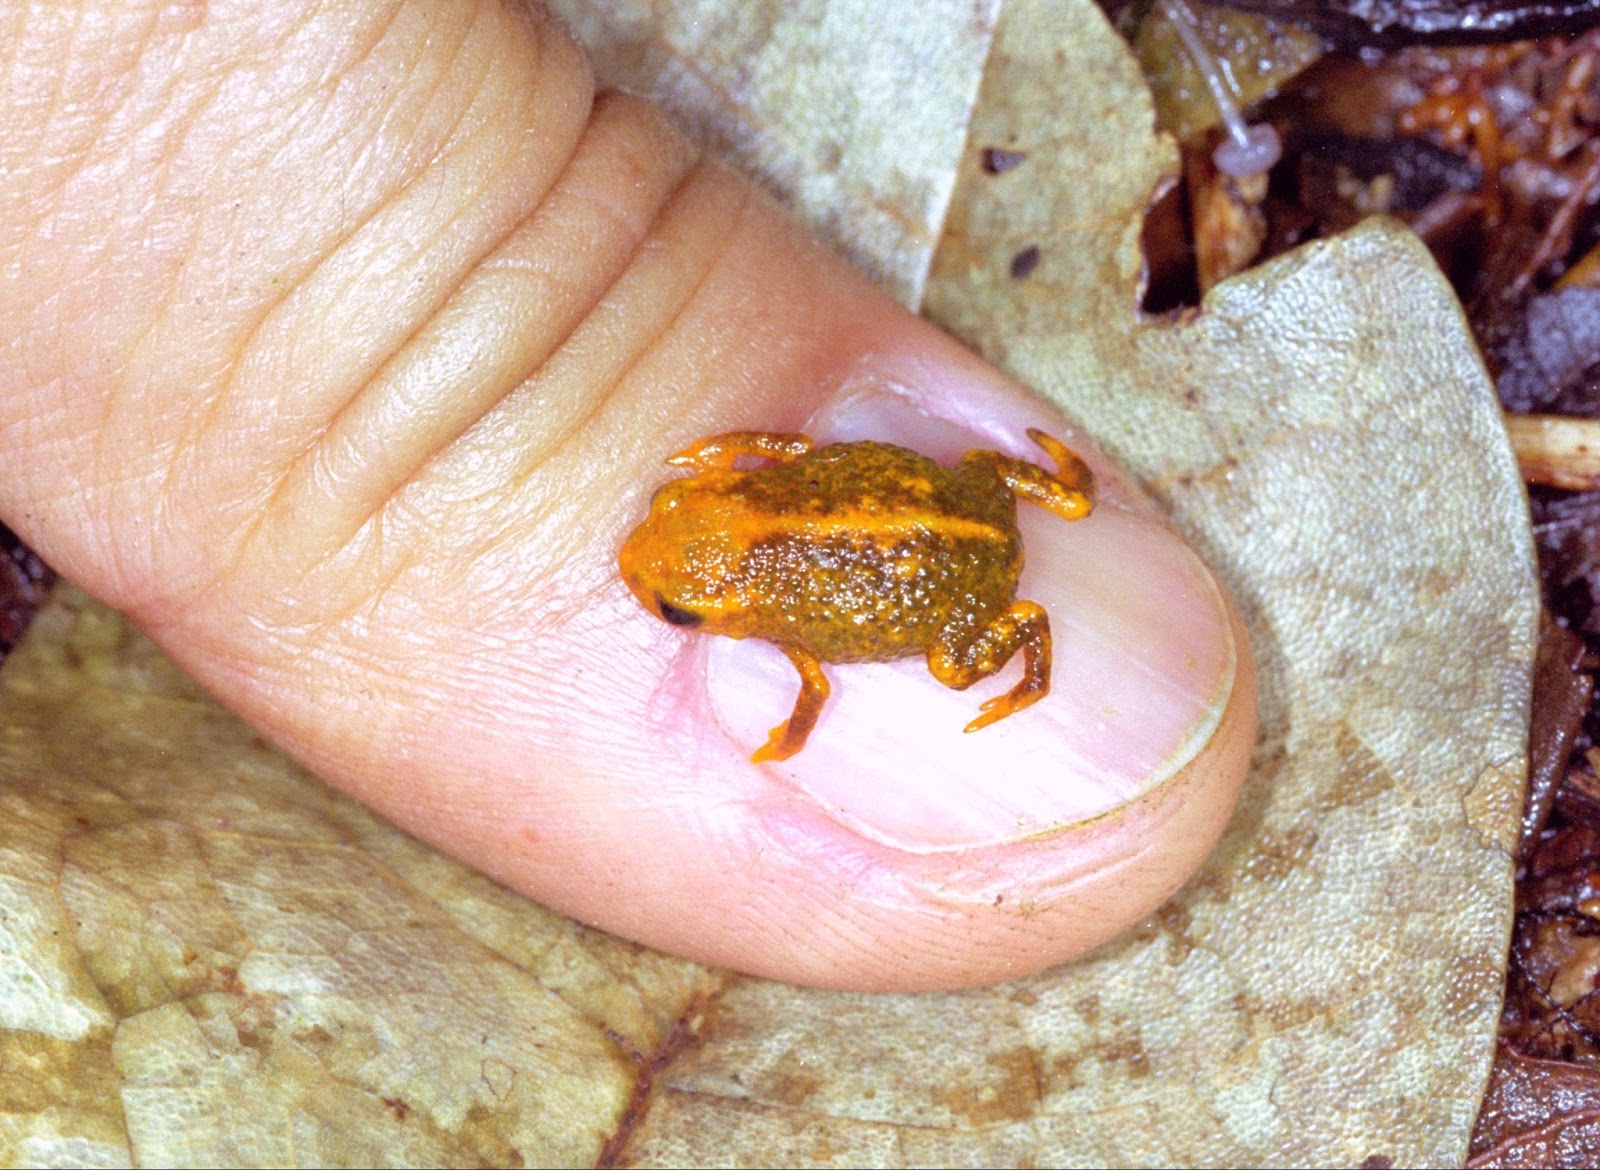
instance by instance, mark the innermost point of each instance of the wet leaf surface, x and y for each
(1562, 690)
(1539, 1113)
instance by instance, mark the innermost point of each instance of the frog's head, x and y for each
(682, 562)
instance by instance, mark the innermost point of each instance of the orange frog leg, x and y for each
(1069, 493)
(1024, 626)
(790, 735)
(719, 451)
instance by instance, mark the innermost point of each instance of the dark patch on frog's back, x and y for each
(876, 477)
(855, 599)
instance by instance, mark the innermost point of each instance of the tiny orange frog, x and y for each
(857, 552)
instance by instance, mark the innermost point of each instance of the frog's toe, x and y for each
(790, 736)
(995, 709)
(984, 720)
(780, 745)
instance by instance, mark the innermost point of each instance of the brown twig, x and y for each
(1556, 452)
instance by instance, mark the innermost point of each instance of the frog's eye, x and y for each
(678, 617)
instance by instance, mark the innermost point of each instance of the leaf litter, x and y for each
(1293, 428)
(1491, 154)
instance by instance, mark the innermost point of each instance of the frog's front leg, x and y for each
(1024, 626)
(720, 451)
(790, 735)
(1069, 493)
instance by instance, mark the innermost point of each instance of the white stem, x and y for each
(1250, 150)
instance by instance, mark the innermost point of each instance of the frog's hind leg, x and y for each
(720, 451)
(1069, 493)
(1024, 626)
(790, 736)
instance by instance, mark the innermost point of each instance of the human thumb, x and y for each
(343, 347)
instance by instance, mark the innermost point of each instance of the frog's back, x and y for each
(872, 552)
(877, 484)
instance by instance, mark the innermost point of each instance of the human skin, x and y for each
(342, 347)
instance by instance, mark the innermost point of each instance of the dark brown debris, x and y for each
(1550, 360)
(997, 160)
(1024, 262)
(1538, 1113)
(1562, 691)
(24, 581)
(1392, 23)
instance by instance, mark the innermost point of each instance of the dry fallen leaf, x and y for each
(206, 956)
(1326, 990)
(853, 112)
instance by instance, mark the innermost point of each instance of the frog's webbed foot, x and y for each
(790, 736)
(1024, 626)
(1069, 493)
(720, 451)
